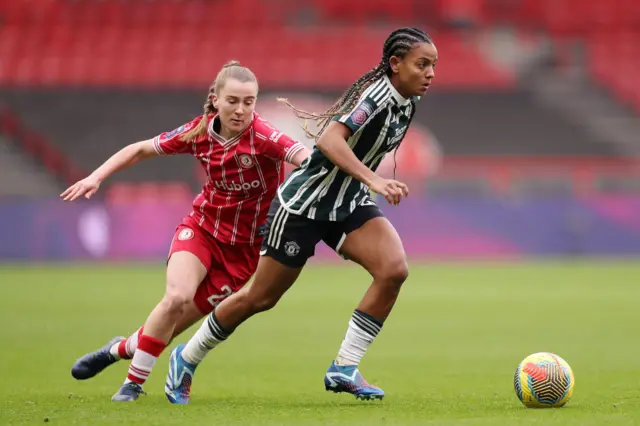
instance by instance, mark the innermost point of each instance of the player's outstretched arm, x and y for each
(333, 144)
(127, 156)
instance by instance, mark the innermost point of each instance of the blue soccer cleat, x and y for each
(178, 384)
(93, 363)
(128, 392)
(347, 378)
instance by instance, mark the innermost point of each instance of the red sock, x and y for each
(127, 347)
(145, 357)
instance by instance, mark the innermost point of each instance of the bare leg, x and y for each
(272, 279)
(93, 363)
(377, 247)
(185, 272)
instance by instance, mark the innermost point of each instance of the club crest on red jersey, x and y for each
(185, 234)
(245, 161)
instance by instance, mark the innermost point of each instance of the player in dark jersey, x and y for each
(326, 198)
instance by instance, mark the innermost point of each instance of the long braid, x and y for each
(201, 127)
(397, 44)
(347, 101)
(208, 103)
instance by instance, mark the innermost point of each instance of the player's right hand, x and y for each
(392, 190)
(87, 187)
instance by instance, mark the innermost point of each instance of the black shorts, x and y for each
(291, 239)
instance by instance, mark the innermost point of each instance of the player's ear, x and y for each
(394, 63)
(214, 101)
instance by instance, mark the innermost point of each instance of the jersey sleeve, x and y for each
(277, 145)
(170, 143)
(356, 118)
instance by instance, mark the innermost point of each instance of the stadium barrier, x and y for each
(447, 226)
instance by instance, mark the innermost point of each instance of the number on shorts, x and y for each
(217, 298)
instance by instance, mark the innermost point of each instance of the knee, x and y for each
(394, 272)
(174, 300)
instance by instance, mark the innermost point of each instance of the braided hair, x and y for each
(397, 44)
(231, 69)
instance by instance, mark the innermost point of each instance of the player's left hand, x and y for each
(392, 190)
(87, 187)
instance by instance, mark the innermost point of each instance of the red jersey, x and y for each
(243, 175)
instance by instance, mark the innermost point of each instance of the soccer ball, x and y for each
(543, 380)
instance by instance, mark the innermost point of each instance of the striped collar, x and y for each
(401, 100)
(217, 137)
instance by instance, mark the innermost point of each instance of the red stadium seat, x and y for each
(613, 62)
(184, 43)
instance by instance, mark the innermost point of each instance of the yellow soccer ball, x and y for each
(544, 380)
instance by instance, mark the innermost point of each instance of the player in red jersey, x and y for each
(215, 249)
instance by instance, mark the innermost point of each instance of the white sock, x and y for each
(362, 330)
(140, 367)
(209, 335)
(127, 348)
(114, 351)
(144, 358)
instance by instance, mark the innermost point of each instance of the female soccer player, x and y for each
(327, 199)
(215, 249)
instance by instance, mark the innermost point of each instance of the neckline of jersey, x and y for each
(401, 100)
(224, 142)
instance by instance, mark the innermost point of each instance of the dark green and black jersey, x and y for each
(318, 189)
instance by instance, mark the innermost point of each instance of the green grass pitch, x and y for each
(446, 355)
